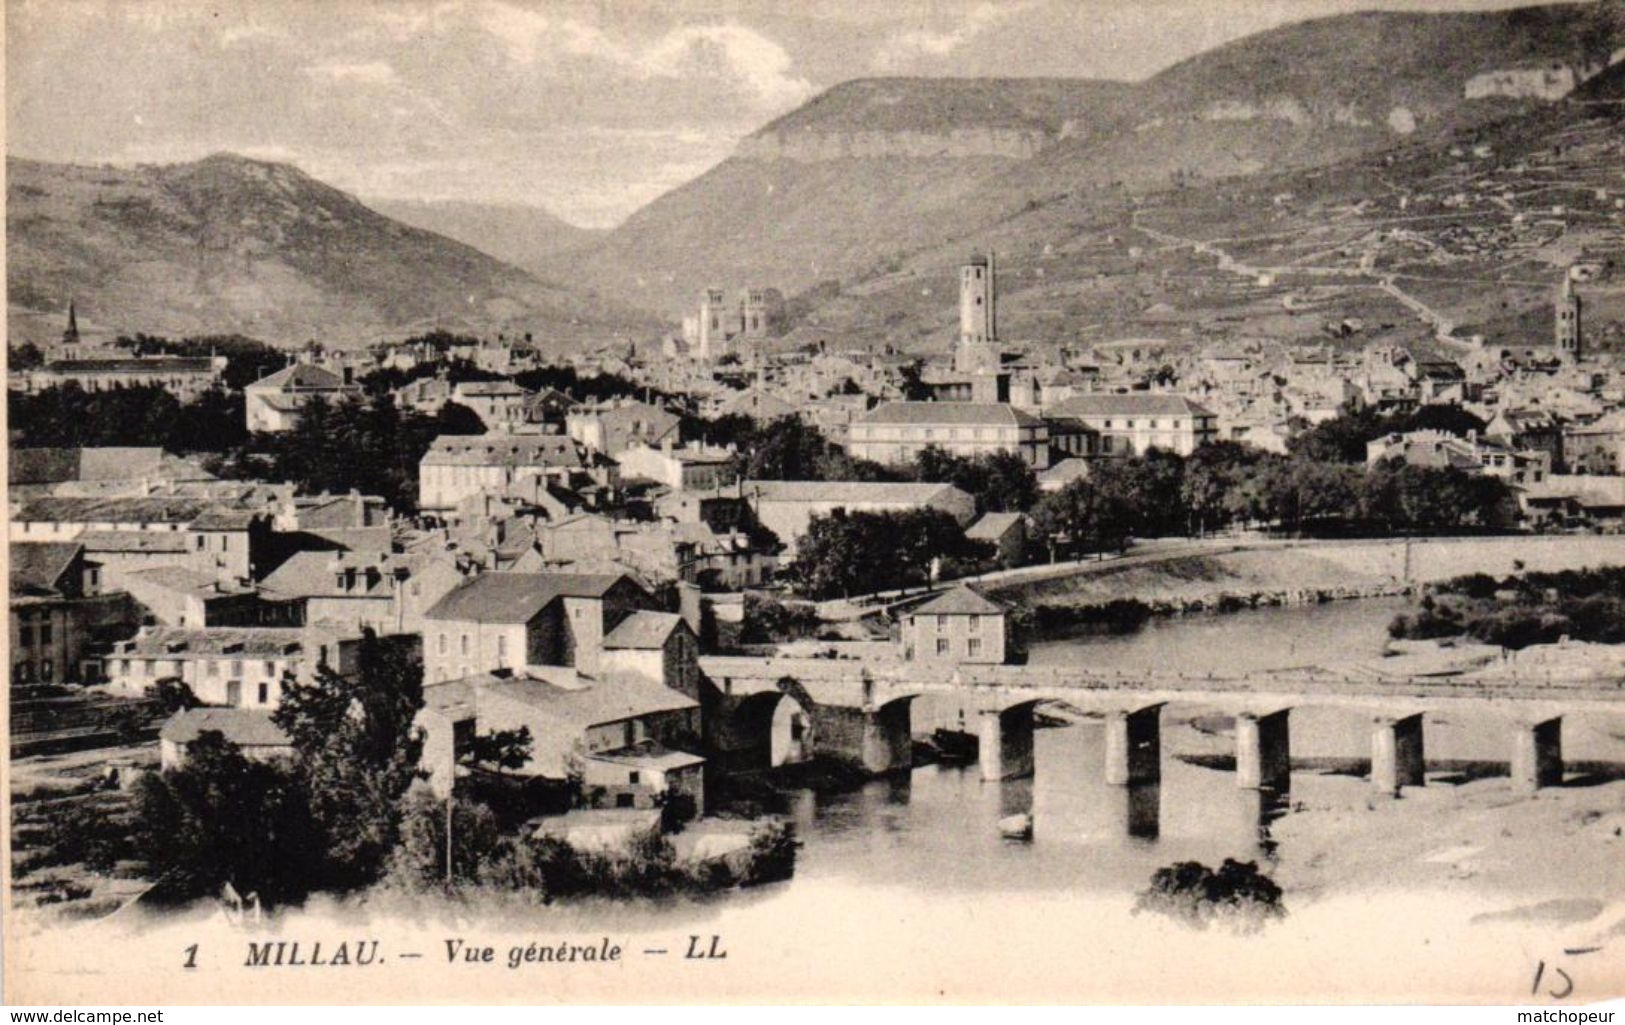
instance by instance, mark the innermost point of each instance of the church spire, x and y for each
(71, 335)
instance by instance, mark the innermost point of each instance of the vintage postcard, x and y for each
(1009, 501)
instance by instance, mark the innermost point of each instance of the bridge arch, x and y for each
(766, 730)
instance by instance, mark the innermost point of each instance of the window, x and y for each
(45, 670)
(265, 693)
(442, 644)
(270, 669)
(25, 633)
(211, 667)
(502, 648)
(44, 631)
(623, 800)
(974, 624)
(146, 668)
(237, 667)
(973, 646)
(942, 622)
(632, 777)
(201, 541)
(124, 667)
(942, 645)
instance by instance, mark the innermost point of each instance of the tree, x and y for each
(856, 553)
(456, 418)
(1215, 476)
(788, 448)
(221, 818)
(999, 481)
(26, 356)
(356, 753)
(501, 749)
(173, 695)
(1068, 517)
(1141, 494)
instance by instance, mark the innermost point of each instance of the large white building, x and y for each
(458, 466)
(273, 403)
(896, 432)
(786, 506)
(1132, 424)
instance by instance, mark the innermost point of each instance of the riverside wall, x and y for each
(1426, 560)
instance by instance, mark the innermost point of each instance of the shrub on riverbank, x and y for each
(487, 863)
(1237, 895)
(1537, 608)
(1119, 616)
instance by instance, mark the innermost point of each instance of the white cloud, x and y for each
(904, 48)
(732, 51)
(361, 73)
(727, 52)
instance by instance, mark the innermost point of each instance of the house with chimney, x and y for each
(509, 620)
(60, 619)
(607, 687)
(273, 403)
(612, 428)
(457, 467)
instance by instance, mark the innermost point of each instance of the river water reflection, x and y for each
(937, 827)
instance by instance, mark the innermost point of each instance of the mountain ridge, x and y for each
(227, 244)
(852, 181)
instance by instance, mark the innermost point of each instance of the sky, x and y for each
(588, 109)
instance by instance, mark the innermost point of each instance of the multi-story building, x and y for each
(614, 427)
(459, 466)
(239, 667)
(958, 627)
(510, 620)
(786, 507)
(1440, 450)
(386, 591)
(273, 403)
(59, 622)
(500, 405)
(185, 377)
(896, 432)
(693, 467)
(1131, 424)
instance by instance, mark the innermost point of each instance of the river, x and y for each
(904, 886)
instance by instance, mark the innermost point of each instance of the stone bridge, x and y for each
(767, 711)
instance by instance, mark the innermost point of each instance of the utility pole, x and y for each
(448, 839)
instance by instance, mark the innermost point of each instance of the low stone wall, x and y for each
(1425, 560)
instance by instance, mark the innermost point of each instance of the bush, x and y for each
(768, 620)
(1519, 627)
(1427, 624)
(1237, 896)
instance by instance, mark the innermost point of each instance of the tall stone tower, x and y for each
(715, 324)
(978, 347)
(1567, 321)
(71, 335)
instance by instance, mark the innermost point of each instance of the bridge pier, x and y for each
(1139, 809)
(1537, 754)
(1005, 743)
(1396, 754)
(1134, 746)
(887, 744)
(1264, 751)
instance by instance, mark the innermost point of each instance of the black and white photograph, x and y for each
(933, 502)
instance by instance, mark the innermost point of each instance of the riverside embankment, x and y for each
(1260, 572)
